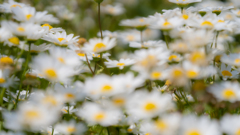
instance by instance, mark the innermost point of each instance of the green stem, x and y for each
(141, 37)
(89, 66)
(166, 40)
(52, 130)
(1, 96)
(99, 19)
(216, 39)
(27, 91)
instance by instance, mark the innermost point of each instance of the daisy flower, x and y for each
(114, 10)
(95, 114)
(5, 79)
(121, 63)
(47, 67)
(47, 98)
(147, 59)
(103, 86)
(35, 48)
(193, 125)
(144, 105)
(166, 24)
(30, 116)
(226, 72)
(164, 125)
(12, 4)
(129, 36)
(140, 23)
(226, 91)
(65, 56)
(71, 127)
(24, 14)
(61, 38)
(230, 124)
(107, 33)
(148, 44)
(98, 45)
(231, 59)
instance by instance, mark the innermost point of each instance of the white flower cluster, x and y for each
(186, 83)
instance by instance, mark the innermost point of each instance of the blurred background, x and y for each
(80, 16)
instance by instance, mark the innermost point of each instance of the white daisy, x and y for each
(226, 91)
(121, 63)
(98, 45)
(61, 38)
(226, 72)
(95, 114)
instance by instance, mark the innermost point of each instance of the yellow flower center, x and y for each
(238, 131)
(16, 5)
(156, 75)
(177, 73)
(32, 114)
(226, 73)
(99, 116)
(81, 54)
(50, 99)
(165, 24)
(120, 64)
(14, 40)
(150, 107)
(221, 21)
(207, 23)
(130, 38)
(218, 58)
(69, 96)
(6, 60)
(161, 125)
(61, 39)
(118, 101)
(237, 60)
(47, 25)
(111, 10)
(71, 129)
(182, 46)
(20, 29)
(194, 132)
(229, 93)
(192, 74)
(141, 20)
(172, 57)
(2, 80)
(99, 46)
(61, 60)
(107, 88)
(51, 73)
(168, 83)
(64, 110)
(28, 16)
(185, 16)
(148, 134)
(197, 56)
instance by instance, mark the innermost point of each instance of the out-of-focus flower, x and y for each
(121, 63)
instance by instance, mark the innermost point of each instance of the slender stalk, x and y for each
(141, 36)
(166, 40)
(99, 19)
(27, 91)
(214, 64)
(216, 39)
(25, 69)
(52, 130)
(89, 66)
(2, 95)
